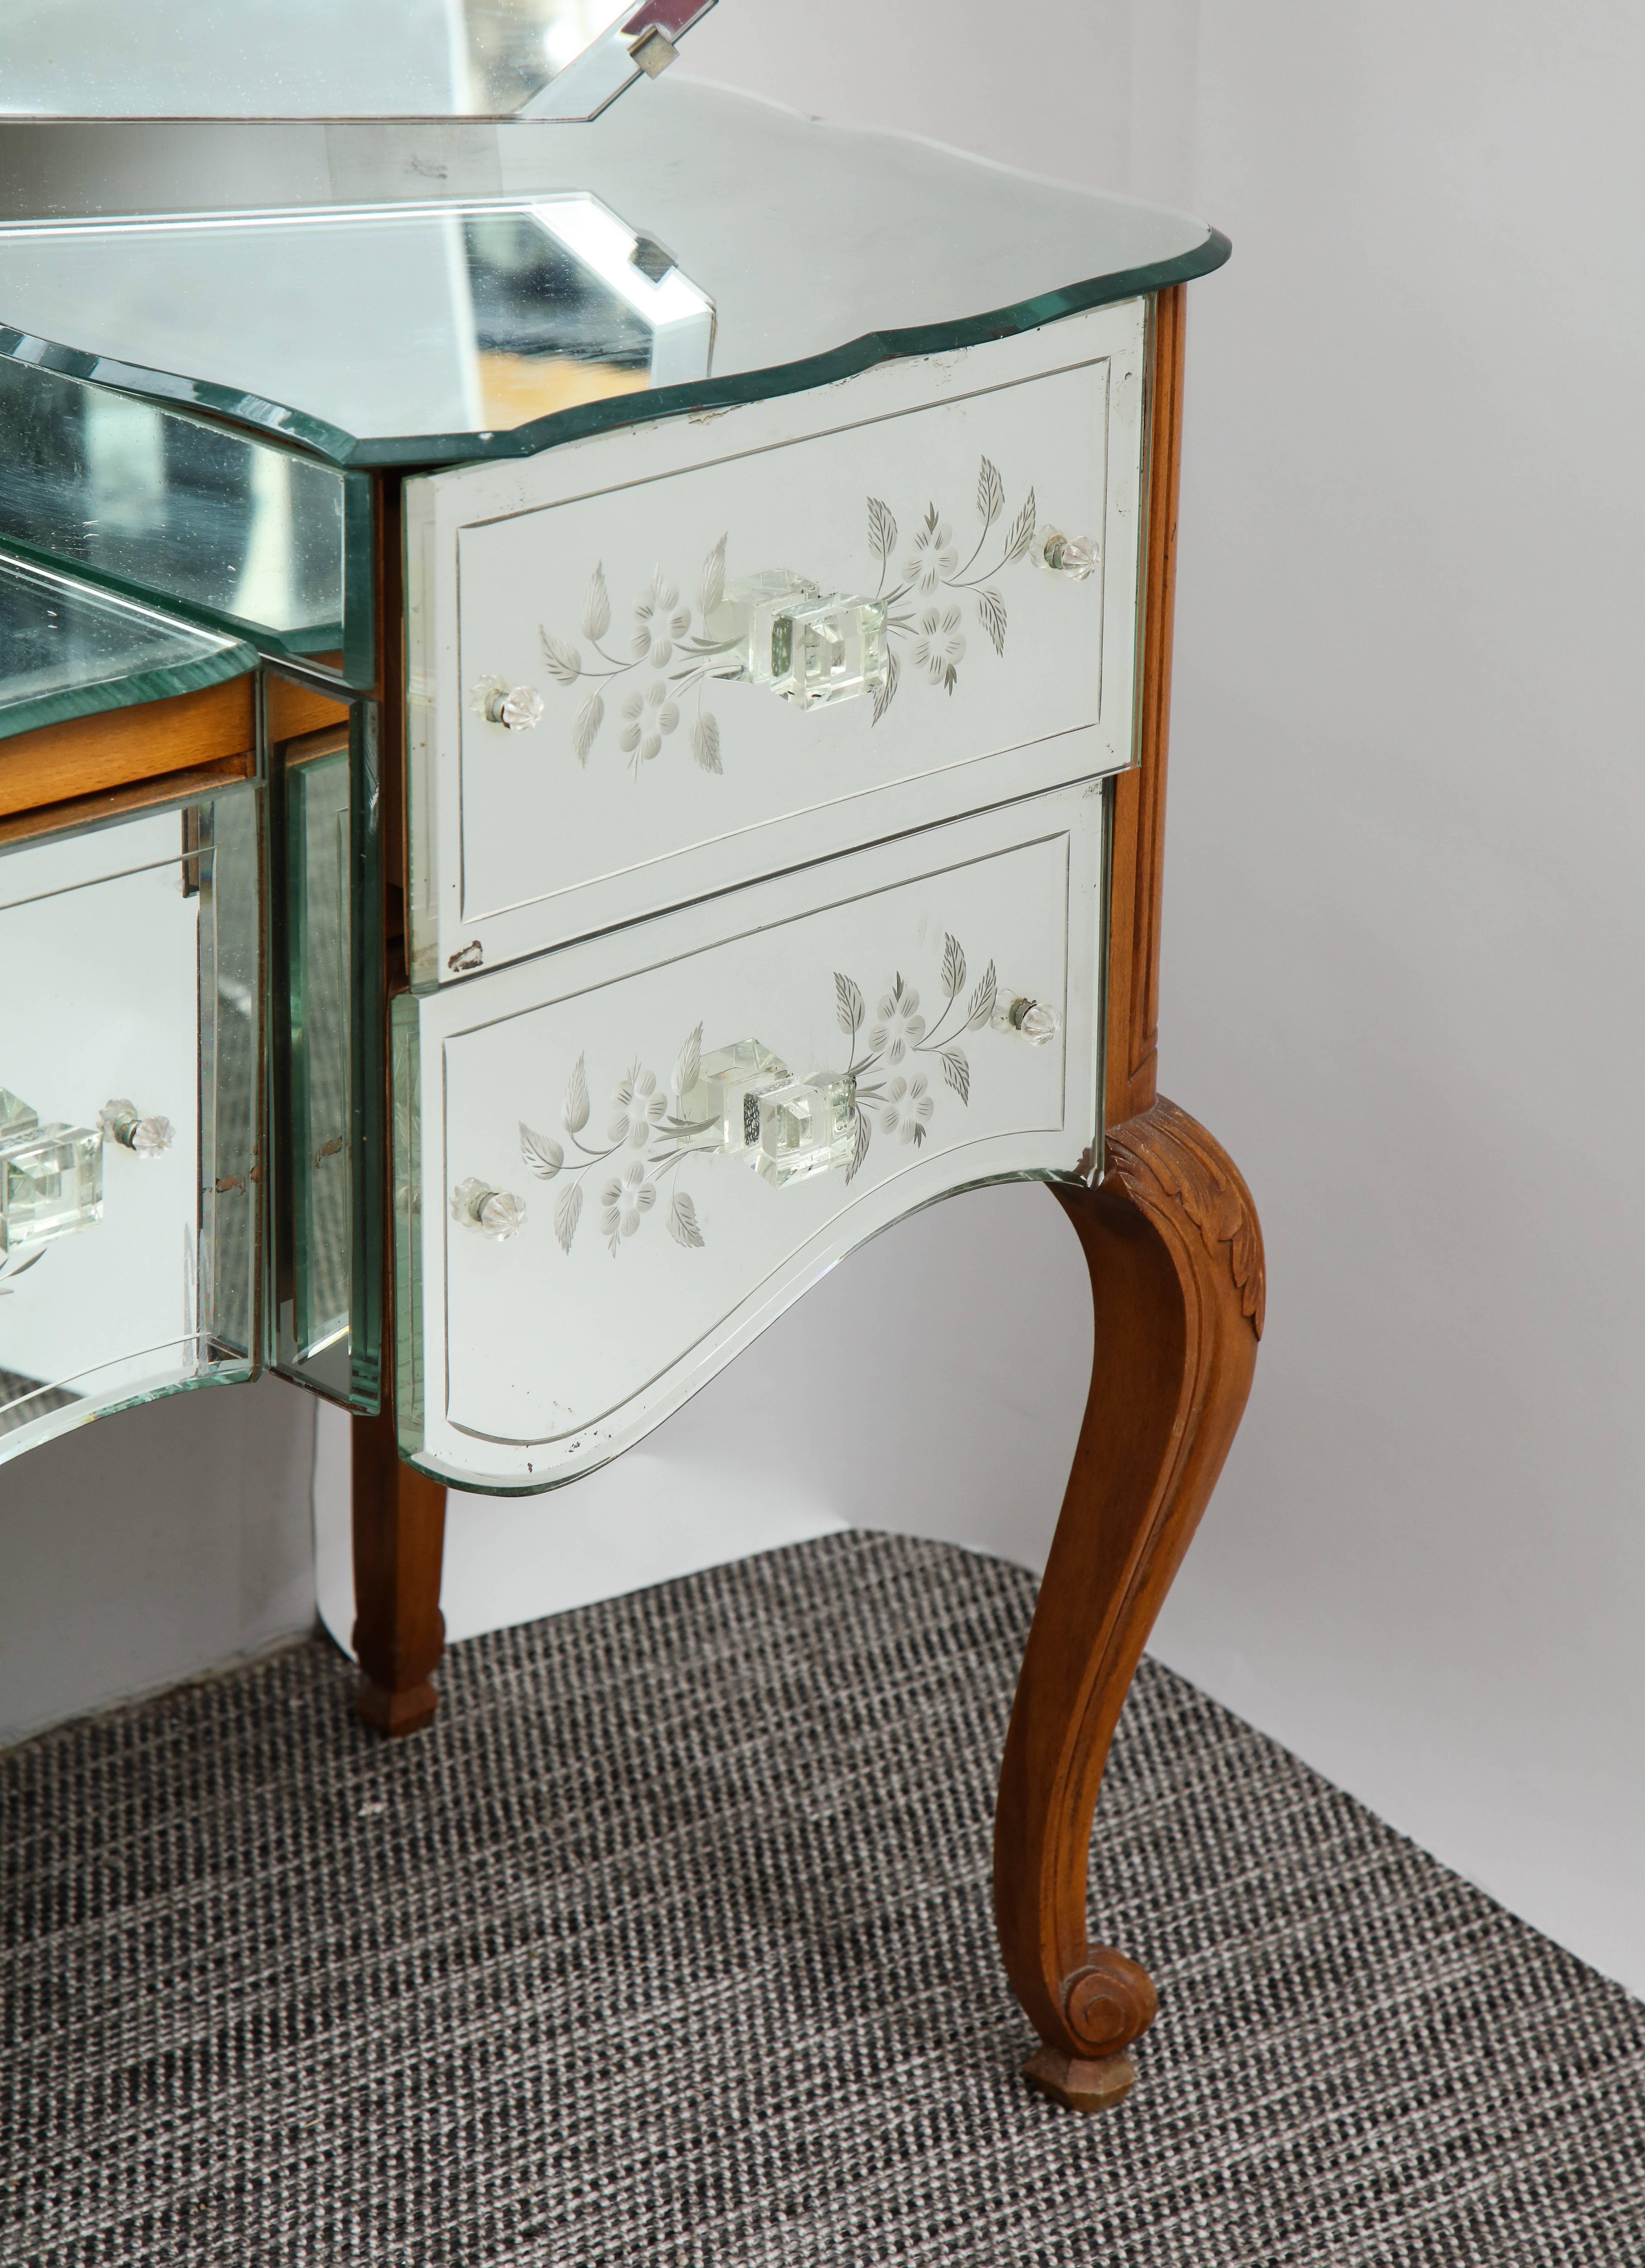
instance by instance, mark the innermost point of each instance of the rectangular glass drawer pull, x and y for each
(51, 1177)
(811, 647)
(746, 1103)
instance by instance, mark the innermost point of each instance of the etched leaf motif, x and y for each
(713, 588)
(705, 743)
(567, 1212)
(1022, 531)
(597, 605)
(544, 1157)
(885, 693)
(574, 1116)
(860, 1130)
(882, 530)
(683, 1221)
(957, 1071)
(848, 1005)
(563, 658)
(586, 724)
(688, 1063)
(982, 1002)
(990, 612)
(952, 965)
(991, 494)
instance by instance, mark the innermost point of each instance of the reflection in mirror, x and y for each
(326, 1248)
(502, 310)
(565, 59)
(160, 501)
(130, 1267)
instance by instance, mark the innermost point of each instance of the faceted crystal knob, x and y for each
(123, 1123)
(51, 1179)
(489, 1213)
(519, 707)
(811, 647)
(1072, 556)
(1019, 1012)
(806, 1127)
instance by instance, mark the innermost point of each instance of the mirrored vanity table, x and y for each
(583, 710)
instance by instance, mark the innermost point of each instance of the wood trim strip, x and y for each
(56, 764)
(116, 803)
(1138, 849)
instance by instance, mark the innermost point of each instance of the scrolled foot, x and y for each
(1077, 2084)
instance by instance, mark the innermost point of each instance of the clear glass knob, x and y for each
(1019, 1012)
(721, 1110)
(16, 1115)
(491, 1212)
(811, 647)
(51, 1181)
(123, 1123)
(806, 1127)
(1072, 556)
(519, 707)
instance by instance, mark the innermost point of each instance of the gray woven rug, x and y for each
(671, 1944)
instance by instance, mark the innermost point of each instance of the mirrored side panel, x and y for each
(257, 538)
(326, 1198)
(130, 1104)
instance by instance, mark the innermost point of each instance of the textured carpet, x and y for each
(671, 1944)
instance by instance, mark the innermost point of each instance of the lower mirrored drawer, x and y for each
(614, 1164)
(130, 1044)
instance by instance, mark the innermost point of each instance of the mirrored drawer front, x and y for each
(659, 663)
(614, 1164)
(129, 1095)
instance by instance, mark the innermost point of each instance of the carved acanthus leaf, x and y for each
(1166, 1147)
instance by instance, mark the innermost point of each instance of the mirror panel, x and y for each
(325, 916)
(565, 59)
(128, 1211)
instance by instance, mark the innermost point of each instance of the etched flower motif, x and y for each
(625, 1202)
(636, 1107)
(901, 1026)
(649, 716)
(933, 556)
(659, 619)
(940, 644)
(907, 1109)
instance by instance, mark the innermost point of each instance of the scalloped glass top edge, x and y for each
(856, 355)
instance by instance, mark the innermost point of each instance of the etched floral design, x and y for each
(667, 664)
(939, 647)
(646, 1141)
(934, 557)
(648, 1137)
(931, 566)
(904, 1105)
(669, 659)
(907, 1109)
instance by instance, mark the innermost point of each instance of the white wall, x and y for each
(146, 1548)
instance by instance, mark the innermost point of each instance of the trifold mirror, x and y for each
(333, 59)
(132, 1098)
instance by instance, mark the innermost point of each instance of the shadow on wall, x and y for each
(148, 1546)
(895, 1395)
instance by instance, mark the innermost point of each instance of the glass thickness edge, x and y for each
(844, 361)
(405, 1037)
(127, 691)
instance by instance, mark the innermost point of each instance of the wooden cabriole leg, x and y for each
(398, 1538)
(1175, 1253)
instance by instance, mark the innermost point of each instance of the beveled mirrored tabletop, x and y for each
(401, 295)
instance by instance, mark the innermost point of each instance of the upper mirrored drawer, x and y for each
(659, 663)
